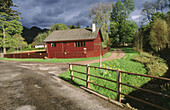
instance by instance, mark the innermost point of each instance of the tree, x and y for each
(159, 35)
(129, 6)
(151, 8)
(41, 37)
(71, 26)
(5, 6)
(9, 23)
(78, 25)
(58, 26)
(121, 29)
(100, 13)
(9, 28)
(168, 22)
(18, 42)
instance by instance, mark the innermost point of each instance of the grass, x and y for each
(55, 60)
(132, 62)
(125, 64)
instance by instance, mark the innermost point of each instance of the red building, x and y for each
(75, 43)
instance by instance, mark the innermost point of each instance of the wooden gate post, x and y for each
(71, 71)
(118, 85)
(87, 77)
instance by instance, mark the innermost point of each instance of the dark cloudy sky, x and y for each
(43, 13)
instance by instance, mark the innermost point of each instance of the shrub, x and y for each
(155, 65)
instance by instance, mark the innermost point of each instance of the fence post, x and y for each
(87, 77)
(71, 72)
(2, 55)
(118, 85)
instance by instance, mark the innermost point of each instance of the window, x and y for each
(53, 44)
(80, 44)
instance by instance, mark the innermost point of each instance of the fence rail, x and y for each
(118, 82)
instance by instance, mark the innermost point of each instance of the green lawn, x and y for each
(55, 60)
(125, 64)
(131, 62)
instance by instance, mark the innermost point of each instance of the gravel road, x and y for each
(33, 86)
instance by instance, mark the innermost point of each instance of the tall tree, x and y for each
(100, 13)
(9, 28)
(159, 35)
(8, 21)
(121, 29)
(138, 40)
(153, 7)
(129, 6)
(6, 7)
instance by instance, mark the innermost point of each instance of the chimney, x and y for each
(93, 27)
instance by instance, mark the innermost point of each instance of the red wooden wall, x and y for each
(58, 55)
(62, 49)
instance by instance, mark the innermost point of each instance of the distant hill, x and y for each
(30, 34)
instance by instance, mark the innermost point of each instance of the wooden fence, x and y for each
(26, 55)
(118, 82)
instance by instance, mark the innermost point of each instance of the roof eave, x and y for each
(69, 40)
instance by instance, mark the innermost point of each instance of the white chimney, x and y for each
(93, 27)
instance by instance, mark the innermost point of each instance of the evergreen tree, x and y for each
(9, 23)
(9, 28)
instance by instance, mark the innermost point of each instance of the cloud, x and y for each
(43, 13)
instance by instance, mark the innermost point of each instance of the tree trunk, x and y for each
(4, 48)
(107, 32)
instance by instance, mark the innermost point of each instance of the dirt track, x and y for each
(31, 86)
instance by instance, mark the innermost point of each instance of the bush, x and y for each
(11, 50)
(155, 65)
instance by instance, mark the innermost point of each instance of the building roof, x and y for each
(72, 35)
(40, 43)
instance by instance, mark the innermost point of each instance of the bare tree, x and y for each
(100, 13)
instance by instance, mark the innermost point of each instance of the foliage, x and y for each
(122, 30)
(18, 42)
(5, 6)
(159, 35)
(31, 33)
(9, 23)
(100, 13)
(151, 8)
(40, 37)
(144, 32)
(78, 25)
(155, 65)
(58, 26)
(9, 28)
(138, 41)
(71, 26)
